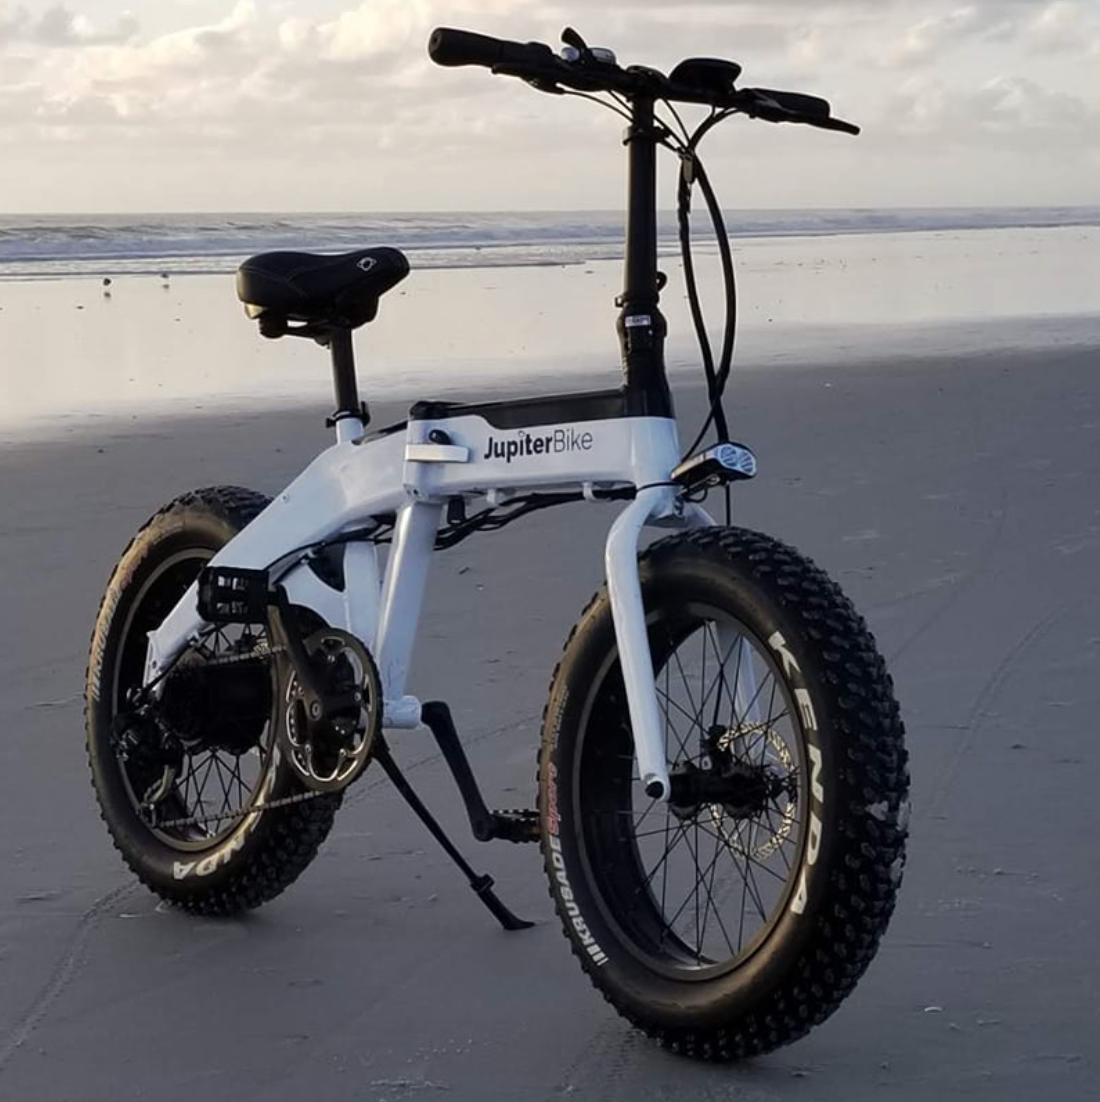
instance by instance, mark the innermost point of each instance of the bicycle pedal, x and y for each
(517, 825)
(233, 595)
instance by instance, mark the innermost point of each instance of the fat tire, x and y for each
(808, 964)
(254, 863)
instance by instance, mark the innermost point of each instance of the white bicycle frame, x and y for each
(412, 474)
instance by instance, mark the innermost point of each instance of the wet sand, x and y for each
(72, 355)
(955, 499)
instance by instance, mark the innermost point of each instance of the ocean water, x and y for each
(53, 246)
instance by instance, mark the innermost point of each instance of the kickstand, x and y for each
(482, 885)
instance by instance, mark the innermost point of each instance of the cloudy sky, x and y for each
(191, 105)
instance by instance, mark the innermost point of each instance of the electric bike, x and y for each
(722, 788)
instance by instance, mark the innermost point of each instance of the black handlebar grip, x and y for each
(451, 47)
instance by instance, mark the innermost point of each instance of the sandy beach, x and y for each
(952, 495)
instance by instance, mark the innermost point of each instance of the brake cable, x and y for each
(692, 173)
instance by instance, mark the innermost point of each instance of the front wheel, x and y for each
(732, 918)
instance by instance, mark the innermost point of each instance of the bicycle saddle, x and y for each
(340, 291)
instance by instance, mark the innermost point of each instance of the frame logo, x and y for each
(558, 442)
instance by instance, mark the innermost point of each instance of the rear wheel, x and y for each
(184, 791)
(732, 918)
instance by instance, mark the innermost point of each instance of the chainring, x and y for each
(327, 753)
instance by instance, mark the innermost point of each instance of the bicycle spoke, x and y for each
(707, 884)
(693, 893)
(222, 781)
(710, 907)
(664, 875)
(754, 862)
(693, 720)
(652, 804)
(722, 671)
(669, 725)
(201, 793)
(215, 784)
(687, 687)
(664, 858)
(671, 922)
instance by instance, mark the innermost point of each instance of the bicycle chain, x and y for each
(202, 820)
(260, 650)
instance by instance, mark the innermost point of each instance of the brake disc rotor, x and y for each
(328, 752)
(753, 838)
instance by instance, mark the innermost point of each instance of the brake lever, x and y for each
(541, 84)
(759, 103)
(544, 82)
(833, 124)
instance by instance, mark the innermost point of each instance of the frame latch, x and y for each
(437, 453)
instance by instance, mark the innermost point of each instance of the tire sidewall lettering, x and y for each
(803, 896)
(566, 898)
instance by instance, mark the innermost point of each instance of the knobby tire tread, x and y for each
(862, 892)
(295, 832)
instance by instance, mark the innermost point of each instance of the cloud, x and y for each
(251, 80)
(1007, 111)
(59, 26)
(303, 82)
(306, 72)
(1065, 27)
(927, 40)
(1059, 27)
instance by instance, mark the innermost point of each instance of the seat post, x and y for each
(338, 339)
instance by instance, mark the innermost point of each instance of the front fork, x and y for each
(624, 587)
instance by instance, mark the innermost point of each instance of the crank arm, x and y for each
(509, 826)
(284, 635)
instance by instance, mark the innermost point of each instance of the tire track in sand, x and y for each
(976, 716)
(64, 972)
(69, 963)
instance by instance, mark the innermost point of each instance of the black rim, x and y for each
(213, 784)
(695, 885)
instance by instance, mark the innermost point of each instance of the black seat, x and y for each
(341, 291)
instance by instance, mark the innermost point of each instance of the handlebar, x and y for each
(698, 80)
(451, 47)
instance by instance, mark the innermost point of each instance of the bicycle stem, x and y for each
(641, 326)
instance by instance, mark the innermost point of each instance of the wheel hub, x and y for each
(740, 788)
(218, 707)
